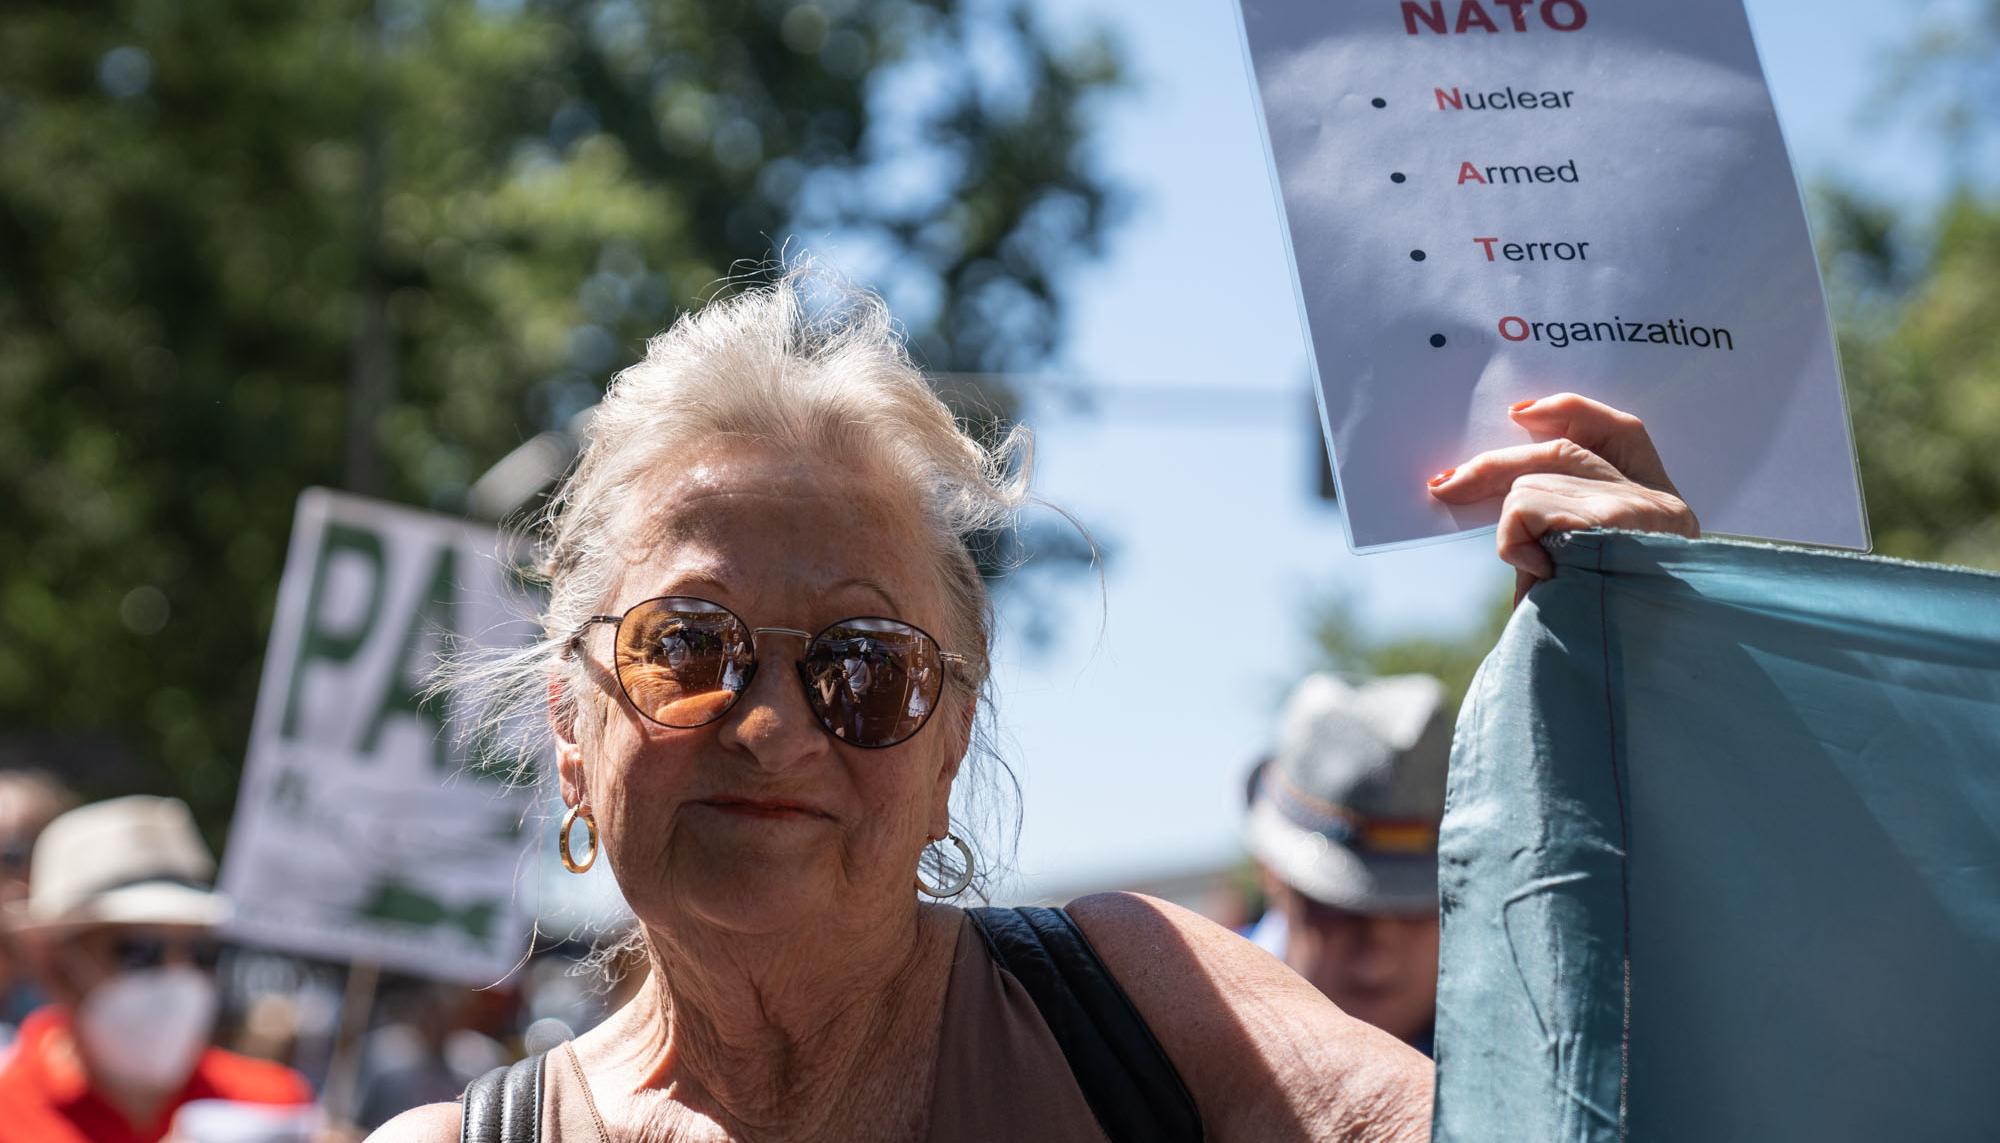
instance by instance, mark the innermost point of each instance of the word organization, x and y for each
(1562, 334)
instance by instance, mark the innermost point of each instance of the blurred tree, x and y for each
(246, 248)
(1913, 300)
(1946, 76)
(1922, 362)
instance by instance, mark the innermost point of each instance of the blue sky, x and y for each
(1196, 466)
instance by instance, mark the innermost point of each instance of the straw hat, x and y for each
(127, 861)
(1347, 809)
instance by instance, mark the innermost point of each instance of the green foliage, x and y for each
(1913, 300)
(1922, 364)
(250, 247)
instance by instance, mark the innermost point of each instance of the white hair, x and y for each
(810, 364)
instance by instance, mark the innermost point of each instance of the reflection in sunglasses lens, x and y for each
(683, 661)
(872, 682)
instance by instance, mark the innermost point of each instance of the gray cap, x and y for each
(1347, 809)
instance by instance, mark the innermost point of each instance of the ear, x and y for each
(960, 728)
(569, 755)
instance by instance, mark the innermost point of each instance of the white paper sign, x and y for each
(1492, 200)
(365, 828)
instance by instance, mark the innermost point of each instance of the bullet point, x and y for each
(1416, 255)
(1379, 101)
(1396, 176)
(1437, 341)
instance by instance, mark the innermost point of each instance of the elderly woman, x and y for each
(765, 657)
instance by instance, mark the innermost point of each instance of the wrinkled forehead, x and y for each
(737, 513)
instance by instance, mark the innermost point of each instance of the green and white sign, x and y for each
(370, 827)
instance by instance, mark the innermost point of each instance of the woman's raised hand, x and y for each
(1592, 466)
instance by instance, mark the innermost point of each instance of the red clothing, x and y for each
(46, 1098)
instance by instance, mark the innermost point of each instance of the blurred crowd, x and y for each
(126, 1016)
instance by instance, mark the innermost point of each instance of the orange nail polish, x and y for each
(1441, 477)
(1519, 405)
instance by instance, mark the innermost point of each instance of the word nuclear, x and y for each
(1505, 99)
(1556, 15)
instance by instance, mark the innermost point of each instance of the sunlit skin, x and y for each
(1381, 968)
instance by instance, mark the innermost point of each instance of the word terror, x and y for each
(1556, 15)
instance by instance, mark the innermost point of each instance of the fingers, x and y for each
(1522, 582)
(1489, 475)
(1593, 466)
(1617, 436)
(1544, 503)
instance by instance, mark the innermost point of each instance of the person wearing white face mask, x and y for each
(119, 925)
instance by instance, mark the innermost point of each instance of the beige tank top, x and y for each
(1000, 1074)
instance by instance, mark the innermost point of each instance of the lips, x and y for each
(769, 808)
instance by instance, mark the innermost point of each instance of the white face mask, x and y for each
(146, 1029)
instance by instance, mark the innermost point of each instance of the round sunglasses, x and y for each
(683, 662)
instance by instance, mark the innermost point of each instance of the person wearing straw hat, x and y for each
(119, 925)
(1344, 820)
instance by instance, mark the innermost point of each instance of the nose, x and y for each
(770, 722)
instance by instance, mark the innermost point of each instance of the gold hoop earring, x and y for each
(958, 884)
(562, 839)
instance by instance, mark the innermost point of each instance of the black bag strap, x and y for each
(504, 1105)
(1132, 1086)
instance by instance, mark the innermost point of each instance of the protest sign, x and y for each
(1493, 200)
(368, 827)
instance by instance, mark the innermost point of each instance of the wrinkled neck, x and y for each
(776, 1037)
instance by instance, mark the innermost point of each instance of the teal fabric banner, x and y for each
(1721, 854)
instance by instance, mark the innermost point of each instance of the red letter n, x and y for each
(1432, 19)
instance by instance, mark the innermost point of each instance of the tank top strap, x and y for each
(569, 1114)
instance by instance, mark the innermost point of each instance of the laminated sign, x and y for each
(370, 827)
(1492, 200)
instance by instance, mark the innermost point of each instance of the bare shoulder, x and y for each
(431, 1123)
(1265, 1056)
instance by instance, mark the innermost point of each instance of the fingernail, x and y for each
(1441, 477)
(1519, 405)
